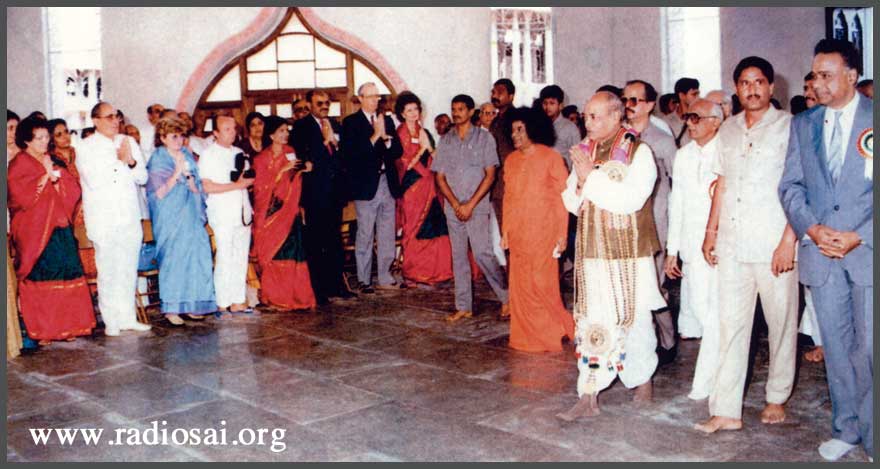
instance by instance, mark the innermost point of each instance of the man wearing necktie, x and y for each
(827, 191)
(370, 145)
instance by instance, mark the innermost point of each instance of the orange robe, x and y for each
(534, 220)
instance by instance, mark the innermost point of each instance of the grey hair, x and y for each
(714, 108)
(361, 88)
(725, 98)
(612, 103)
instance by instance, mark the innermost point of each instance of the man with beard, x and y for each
(465, 164)
(749, 241)
(640, 97)
(503, 93)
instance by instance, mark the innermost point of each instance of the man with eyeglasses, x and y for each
(689, 204)
(827, 190)
(315, 138)
(487, 115)
(639, 98)
(687, 90)
(111, 168)
(301, 108)
(369, 146)
(749, 241)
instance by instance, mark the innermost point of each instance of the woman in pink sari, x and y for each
(427, 254)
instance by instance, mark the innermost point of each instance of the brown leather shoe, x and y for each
(458, 315)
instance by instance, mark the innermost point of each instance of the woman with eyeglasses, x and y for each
(427, 253)
(43, 196)
(177, 209)
(278, 222)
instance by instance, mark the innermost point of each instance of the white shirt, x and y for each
(148, 136)
(752, 160)
(846, 122)
(689, 201)
(623, 197)
(109, 187)
(231, 208)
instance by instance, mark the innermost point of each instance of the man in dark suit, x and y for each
(370, 145)
(827, 192)
(323, 197)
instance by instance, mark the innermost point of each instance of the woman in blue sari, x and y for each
(177, 208)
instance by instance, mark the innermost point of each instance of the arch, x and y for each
(269, 22)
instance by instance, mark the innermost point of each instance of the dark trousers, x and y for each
(323, 243)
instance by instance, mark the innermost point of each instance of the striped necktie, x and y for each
(835, 149)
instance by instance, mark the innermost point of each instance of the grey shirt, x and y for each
(663, 146)
(464, 163)
(567, 136)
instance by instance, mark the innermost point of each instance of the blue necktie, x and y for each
(835, 149)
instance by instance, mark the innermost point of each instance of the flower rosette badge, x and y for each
(865, 146)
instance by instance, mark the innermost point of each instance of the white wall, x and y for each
(25, 61)
(783, 36)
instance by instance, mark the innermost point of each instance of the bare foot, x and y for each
(587, 406)
(238, 307)
(816, 355)
(719, 423)
(458, 315)
(644, 394)
(505, 310)
(773, 413)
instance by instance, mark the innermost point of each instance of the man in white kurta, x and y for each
(689, 205)
(229, 214)
(111, 168)
(616, 291)
(749, 241)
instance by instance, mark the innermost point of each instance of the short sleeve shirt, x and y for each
(464, 162)
(752, 160)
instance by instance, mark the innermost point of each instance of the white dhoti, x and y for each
(641, 340)
(699, 318)
(231, 264)
(116, 258)
(809, 324)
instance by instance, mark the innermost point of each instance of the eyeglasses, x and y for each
(632, 100)
(320, 104)
(301, 109)
(695, 118)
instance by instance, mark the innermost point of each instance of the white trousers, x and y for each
(809, 323)
(231, 264)
(116, 258)
(740, 284)
(641, 340)
(699, 318)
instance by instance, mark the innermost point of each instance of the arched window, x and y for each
(273, 74)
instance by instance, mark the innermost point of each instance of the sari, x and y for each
(54, 298)
(278, 233)
(86, 256)
(183, 249)
(427, 253)
(535, 219)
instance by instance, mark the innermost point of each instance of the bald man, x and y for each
(616, 286)
(720, 98)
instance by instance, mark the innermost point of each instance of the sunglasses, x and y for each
(632, 100)
(695, 118)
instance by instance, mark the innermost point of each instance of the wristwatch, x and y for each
(132, 165)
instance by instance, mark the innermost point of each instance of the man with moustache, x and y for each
(615, 280)
(465, 164)
(750, 242)
(827, 190)
(503, 93)
(640, 97)
(809, 94)
(315, 139)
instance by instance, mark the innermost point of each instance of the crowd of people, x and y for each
(734, 196)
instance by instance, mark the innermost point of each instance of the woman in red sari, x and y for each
(427, 254)
(535, 231)
(43, 197)
(278, 222)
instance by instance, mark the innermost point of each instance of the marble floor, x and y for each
(383, 378)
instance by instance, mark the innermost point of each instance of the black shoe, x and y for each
(666, 356)
(345, 294)
(365, 289)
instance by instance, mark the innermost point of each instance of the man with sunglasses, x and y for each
(301, 109)
(639, 98)
(315, 138)
(749, 241)
(689, 204)
(111, 168)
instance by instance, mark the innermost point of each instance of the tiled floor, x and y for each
(378, 379)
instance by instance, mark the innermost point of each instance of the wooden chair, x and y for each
(151, 295)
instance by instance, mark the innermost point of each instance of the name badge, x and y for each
(290, 156)
(414, 140)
